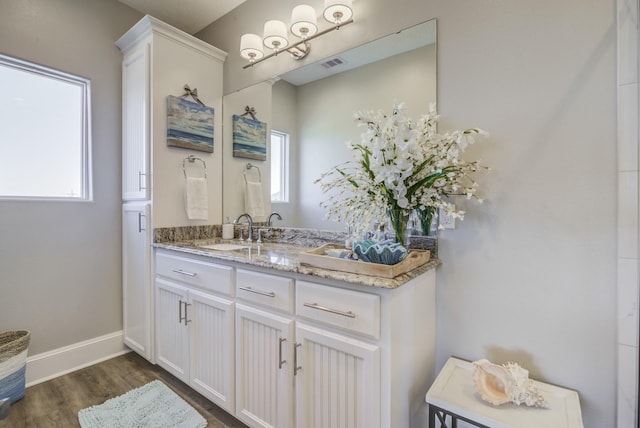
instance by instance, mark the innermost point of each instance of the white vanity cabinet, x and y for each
(264, 349)
(307, 351)
(157, 61)
(264, 378)
(338, 372)
(307, 375)
(195, 326)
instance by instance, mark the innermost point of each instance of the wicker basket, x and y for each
(13, 363)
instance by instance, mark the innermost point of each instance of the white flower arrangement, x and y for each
(399, 166)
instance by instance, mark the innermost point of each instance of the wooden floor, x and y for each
(56, 403)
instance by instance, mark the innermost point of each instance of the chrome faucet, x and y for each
(259, 241)
(278, 216)
(249, 221)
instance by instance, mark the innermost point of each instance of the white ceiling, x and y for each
(189, 16)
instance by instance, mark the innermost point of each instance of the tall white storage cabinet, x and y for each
(158, 61)
(136, 270)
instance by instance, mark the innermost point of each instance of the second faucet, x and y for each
(250, 223)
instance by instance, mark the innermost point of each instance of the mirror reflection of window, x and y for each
(45, 124)
(279, 151)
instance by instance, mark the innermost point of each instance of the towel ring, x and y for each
(192, 159)
(247, 168)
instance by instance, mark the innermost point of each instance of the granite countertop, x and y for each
(285, 257)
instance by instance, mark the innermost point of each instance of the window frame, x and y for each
(86, 182)
(283, 155)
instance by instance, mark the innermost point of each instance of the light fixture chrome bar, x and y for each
(301, 42)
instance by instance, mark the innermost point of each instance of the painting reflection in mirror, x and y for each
(249, 138)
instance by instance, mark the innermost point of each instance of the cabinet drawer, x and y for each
(351, 310)
(269, 290)
(200, 274)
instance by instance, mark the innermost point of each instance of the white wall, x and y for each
(60, 262)
(529, 276)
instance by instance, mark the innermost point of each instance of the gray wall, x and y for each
(530, 275)
(60, 262)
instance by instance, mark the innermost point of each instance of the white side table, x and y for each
(453, 396)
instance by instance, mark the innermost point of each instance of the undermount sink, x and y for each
(224, 247)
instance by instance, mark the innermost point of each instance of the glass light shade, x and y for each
(337, 11)
(275, 35)
(251, 47)
(303, 21)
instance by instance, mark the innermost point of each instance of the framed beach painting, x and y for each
(249, 138)
(189, 124)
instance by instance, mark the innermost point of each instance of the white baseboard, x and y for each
(58, 362)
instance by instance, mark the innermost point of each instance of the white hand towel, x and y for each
(253, 204)
(196, 199)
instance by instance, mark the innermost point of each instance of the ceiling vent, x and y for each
(333, 62)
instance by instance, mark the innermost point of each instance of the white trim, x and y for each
(58, 362)
(628, 233)
(149, 25)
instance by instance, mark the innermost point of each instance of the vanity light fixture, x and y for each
(303, 25)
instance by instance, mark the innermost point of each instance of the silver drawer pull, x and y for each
(296, 367)
(142, 185)
(333, 311)
(182, 272)
(262, 293)
(140, 228)
(281, 340)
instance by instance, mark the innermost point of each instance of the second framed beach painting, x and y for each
(189, 124)
(249, 138)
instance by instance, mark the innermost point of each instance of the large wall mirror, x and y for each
(315, 104)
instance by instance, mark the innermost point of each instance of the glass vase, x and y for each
(428, 220)
(398, 219)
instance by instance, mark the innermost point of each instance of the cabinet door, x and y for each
(264, 368)
(211, 373)
(338, 383)
(172, 339)
(136, 282)
(135, 124)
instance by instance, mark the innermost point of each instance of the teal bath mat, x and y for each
(152, 405)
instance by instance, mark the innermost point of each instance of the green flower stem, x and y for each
(426, 218)
(399, 219)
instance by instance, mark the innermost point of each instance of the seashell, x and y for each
(508, 383)
(382, 252)
(491, 382)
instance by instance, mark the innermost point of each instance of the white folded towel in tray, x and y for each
(196, 199)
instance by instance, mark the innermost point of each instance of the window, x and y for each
(279, 166)
(45, 147)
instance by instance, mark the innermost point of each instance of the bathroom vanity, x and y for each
(278, 343)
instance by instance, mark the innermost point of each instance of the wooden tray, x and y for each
(318, 258)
